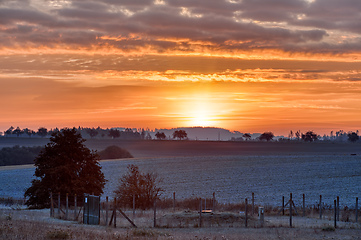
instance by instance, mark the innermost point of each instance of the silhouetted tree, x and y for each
(29, 132)
(65, 166)
(142, 186)
(247, 136)
(114, 133)
(353, 137)
(52, 131)
(180, 134)
(142, 134)
(42, 132)
(160, 135)
(268, 136)
(9, 131)
(18, 132)
(298, 134)
(309, 136)
(290, 135)
(92, 132)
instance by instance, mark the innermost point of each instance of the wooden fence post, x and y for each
(51, 205)
(252, 204)
(173, 201)
(66, 206)
(304, 205)
(155, 213)
(106, 210)
(115, 212)
(133, 207)
(200, 212)
(338, 208)
(320, 206)
(75, 208)
(291, 203)
(246, 212)
(357, 209)
(58, 204)
(214, 202)
(335, 203)
(283, 205)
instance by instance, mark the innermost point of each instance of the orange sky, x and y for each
(250, 66)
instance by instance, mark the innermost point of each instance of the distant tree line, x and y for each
(127, 133)
(309, 136)
(25, 155)
(18, 155)
(144, 134)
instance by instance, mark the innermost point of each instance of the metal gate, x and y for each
(91, 210)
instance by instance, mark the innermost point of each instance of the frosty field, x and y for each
(232, 178)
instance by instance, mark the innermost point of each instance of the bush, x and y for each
(140, 185)
(114, 152)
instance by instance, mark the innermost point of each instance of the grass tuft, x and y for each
(58, 234)
(143, 233)
(328, 228)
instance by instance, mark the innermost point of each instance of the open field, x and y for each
(153, 148)
(36, 224)
(232, 178)
(233, 170)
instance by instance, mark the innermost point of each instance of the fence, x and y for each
(198, 212)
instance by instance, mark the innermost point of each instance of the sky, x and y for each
(243, 65)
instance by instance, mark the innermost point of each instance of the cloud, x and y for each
(186, 26)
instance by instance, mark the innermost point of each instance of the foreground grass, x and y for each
(33, 224)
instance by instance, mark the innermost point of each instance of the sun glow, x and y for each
(201, 113)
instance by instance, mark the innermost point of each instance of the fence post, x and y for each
(51, 205)
(357, 209)
(320, 206)
(252, 204)
(304, 205)
(335, 203)
(283, 205)
(133, 207)
(261, 216)
(214, 202)
(155, 212)
(173, 201)
(106, 210)
(115, 212)
(200, 212)
(291, 203)
(245, 212)
(58, 204)
(75, 208)
(338, 208)
(66, 206)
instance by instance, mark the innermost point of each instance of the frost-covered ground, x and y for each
(232, 178)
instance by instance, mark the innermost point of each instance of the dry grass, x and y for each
(36, 224)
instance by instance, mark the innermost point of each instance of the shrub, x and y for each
(114, 152)
(328, 228)
(58, 234)
(140, 185)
